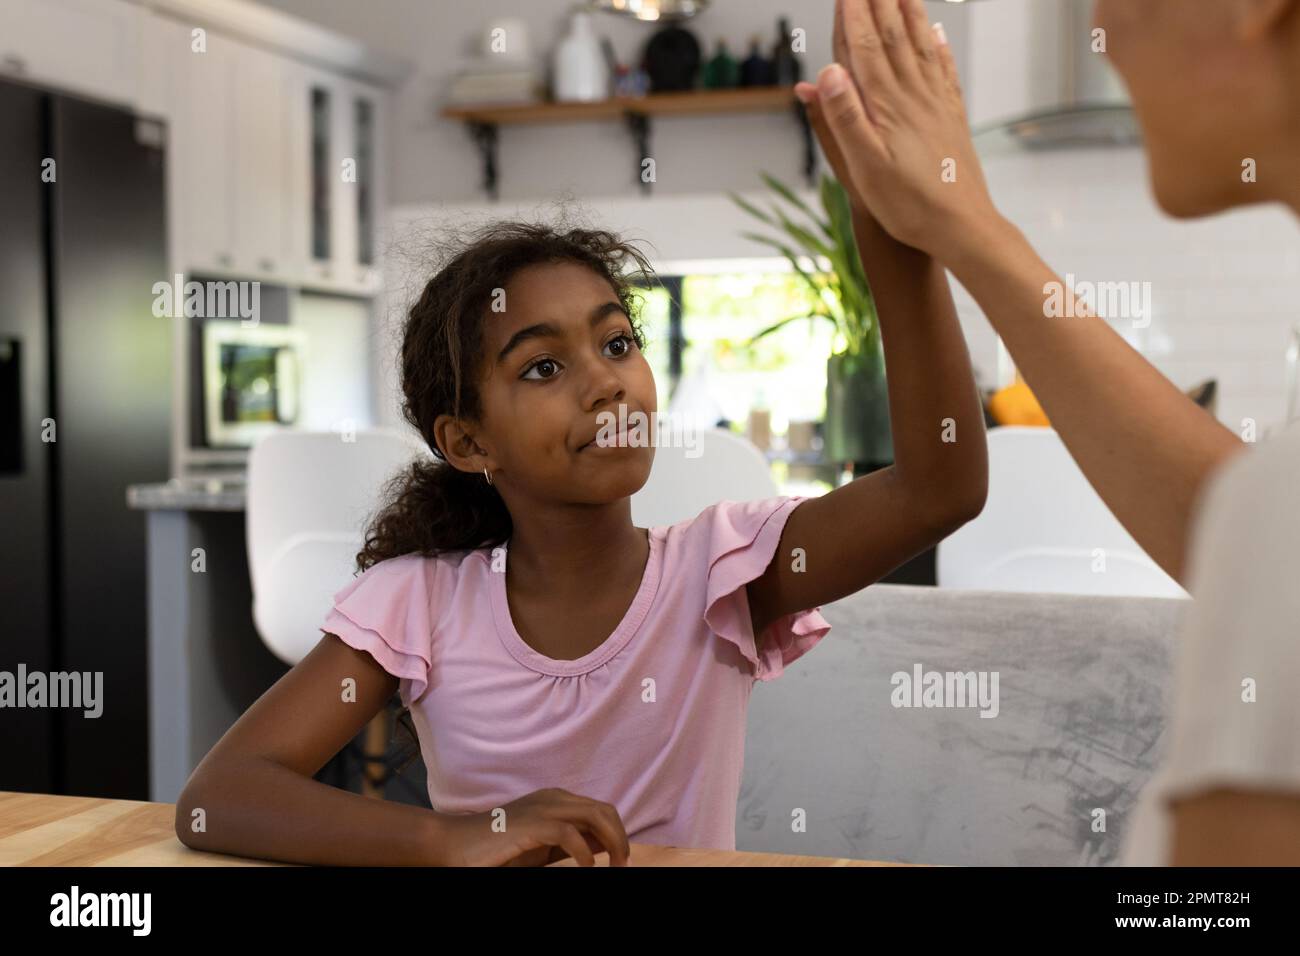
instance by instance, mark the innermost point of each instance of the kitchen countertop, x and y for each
(41, 829)
(189, 494)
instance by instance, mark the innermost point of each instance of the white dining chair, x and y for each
(309, 497)
(684, 481)
(1044, 528)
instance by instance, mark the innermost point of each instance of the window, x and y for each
(698, 330)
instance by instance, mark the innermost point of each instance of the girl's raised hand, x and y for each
(902, 143)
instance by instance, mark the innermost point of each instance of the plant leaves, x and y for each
(803, 236)
(791, 197)
(851, 306)
(811, 278)
(752, 209)
(793, 318)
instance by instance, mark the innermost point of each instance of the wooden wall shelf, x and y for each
(484, 122)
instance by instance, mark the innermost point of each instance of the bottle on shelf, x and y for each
(722, 72)
(757, 69)
(786, 68)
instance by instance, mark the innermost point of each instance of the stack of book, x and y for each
(491, 81)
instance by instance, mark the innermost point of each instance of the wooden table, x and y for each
(39, 829)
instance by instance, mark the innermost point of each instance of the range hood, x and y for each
(1090, 107)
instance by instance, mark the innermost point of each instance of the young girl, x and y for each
(577, 683)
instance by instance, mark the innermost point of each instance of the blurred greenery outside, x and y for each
(784, 372)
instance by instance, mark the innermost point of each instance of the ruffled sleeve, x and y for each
(742, 538)
(388, 612)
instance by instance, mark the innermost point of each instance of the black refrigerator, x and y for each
(84, 411)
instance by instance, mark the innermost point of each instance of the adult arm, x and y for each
(897, 114)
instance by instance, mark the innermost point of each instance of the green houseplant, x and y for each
(824, 253)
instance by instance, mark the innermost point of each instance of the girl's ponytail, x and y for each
(431, 507)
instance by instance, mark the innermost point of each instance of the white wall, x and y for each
(435, 160)
(1012, 58)
(1224, 289)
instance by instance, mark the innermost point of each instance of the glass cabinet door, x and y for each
(364, 139)
(322, 181)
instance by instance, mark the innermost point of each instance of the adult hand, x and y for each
(896, 114)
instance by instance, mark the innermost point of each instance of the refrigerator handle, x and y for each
(11, 402)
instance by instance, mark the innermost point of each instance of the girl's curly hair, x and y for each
(432, 507)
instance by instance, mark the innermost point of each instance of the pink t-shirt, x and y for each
(651, 721)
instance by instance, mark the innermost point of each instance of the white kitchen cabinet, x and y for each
(319, 153)
(367, 119)
(89, 47)
(338, 174)
(260, 143)
(231, 112)
(203, 137)
(275, 161)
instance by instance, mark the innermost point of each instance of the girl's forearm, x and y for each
(935, 411)
(258, 808)
(1144, 446)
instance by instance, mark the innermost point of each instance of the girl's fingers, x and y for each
(867, 59)
(845, 116)
(924, 41)
(606, 827)
(567, 836)
(620, 849)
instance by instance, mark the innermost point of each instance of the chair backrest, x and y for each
(1044, 528)
(684, 481)
(1082, 694)
(309, 496)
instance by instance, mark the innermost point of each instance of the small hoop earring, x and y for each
(486, 475)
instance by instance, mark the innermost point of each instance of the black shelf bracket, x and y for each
(809, 149)
(485, 138)
(639, 124)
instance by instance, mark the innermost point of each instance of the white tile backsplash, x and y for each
(336, 383)
(1225, 289)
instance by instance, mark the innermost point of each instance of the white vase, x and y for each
(580, 71)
